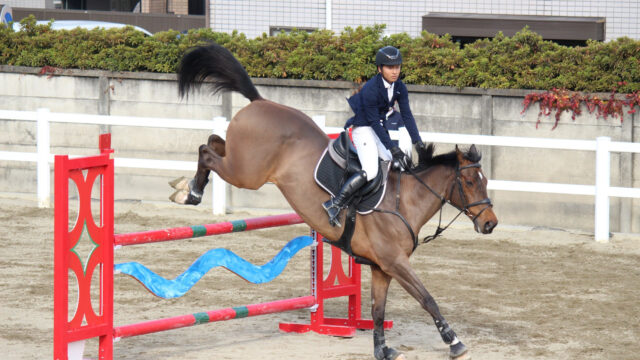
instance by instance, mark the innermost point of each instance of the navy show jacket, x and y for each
(371, 105)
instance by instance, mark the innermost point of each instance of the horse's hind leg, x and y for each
(191, 191)
(401, 270)
(379, 288)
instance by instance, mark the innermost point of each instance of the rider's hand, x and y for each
(420, 146)
(401, 158)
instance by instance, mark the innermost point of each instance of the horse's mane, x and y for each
(426, 159)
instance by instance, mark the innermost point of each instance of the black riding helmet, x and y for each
(388, 55)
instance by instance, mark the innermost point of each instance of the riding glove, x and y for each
(419, 146)
(400, 158)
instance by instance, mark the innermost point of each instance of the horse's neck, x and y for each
(440, 179)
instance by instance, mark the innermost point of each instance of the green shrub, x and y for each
(524, 61)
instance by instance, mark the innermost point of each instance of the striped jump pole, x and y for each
(188, 232)
(87, 322)
(178, 322)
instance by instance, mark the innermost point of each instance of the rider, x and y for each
(372, 106)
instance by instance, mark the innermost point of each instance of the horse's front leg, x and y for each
(190, 191)
(379, 288)
(401, 270)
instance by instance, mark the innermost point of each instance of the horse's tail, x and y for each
(216, 63)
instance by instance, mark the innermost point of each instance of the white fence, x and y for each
(602, 147)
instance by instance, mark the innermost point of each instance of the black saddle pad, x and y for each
(328, 175)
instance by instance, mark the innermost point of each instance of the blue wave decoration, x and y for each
(179, 286)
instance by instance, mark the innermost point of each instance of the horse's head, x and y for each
(469, 192)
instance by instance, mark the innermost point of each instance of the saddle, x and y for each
(338, 162)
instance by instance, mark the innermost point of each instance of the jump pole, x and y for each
(189, 232)
(178, 322)
(69, 333)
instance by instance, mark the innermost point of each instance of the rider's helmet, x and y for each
(388, 55)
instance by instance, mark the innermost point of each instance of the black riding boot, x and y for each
(335, 204)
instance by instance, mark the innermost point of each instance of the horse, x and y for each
(270, 142)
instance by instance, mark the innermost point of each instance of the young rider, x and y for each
(372, 106)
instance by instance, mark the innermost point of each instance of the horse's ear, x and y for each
(459, 154)
(474, 155)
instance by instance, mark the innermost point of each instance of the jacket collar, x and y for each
(381, 81)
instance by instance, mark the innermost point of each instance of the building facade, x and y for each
(177, 7)
(255, 17)
(37, 4)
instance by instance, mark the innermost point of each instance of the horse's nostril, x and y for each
(488, 226)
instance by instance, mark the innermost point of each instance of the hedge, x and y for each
(524, 61)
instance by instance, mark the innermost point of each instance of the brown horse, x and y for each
(267, 141)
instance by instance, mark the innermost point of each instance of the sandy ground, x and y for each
(519, 293)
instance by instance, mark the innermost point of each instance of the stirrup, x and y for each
(333, 212)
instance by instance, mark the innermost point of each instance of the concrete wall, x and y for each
(467, 111)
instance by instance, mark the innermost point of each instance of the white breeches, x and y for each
(369, 147)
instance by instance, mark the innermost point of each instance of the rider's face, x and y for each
(390, 73)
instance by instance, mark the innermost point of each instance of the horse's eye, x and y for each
(469, 182)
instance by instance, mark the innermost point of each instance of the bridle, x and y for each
(464, 209)
(466, 206)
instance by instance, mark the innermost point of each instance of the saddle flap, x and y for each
(329, 175)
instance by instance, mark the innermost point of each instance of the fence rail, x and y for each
(602, 146)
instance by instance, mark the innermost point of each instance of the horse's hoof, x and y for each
(465, 356)
(393, 354)
(181, 183)
(459, 352)
(183, 197)
(179, 197)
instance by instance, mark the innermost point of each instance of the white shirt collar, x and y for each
(389, 88)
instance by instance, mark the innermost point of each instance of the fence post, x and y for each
(219, 188)
(43, 172)
(320, 120)
(603, 178)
